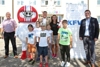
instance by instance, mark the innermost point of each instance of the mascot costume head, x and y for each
(26, 15)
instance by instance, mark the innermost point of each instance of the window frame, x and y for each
(1, 19)
(43, 3)
(57, 5)
(98, 18)
(20, 2)
(98, 2)
(32, 2)
(2, 2)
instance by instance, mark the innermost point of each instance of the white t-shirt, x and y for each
(44, 21)
(31, 37)
(37, 32)
(50, 33)
(43, 38)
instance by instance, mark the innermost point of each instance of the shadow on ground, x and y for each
(98, 53)
(55, 62)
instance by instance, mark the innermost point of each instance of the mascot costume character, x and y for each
(26, 15)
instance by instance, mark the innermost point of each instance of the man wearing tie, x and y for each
(89, 32)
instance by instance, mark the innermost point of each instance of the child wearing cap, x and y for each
(65, 42)
(43, 45)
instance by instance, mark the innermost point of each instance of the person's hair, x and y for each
(88, 11)
(52, 18)
(44, 11)
(65, 21)
(48, 25)
(30, 25)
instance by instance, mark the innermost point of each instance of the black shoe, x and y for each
(30, 60)
(6, 56)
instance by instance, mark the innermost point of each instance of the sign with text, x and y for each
(74, 15)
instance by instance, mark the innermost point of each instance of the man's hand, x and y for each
(80, 38)
(95, 39)
(15, 36)
(2, 36)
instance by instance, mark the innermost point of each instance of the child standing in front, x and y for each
(31, 44)
(51, 40)
(65, 42)
(43, 45)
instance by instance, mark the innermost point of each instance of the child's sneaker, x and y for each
(46, 65)
(62, 63)
(55, 55)
(52, 55)
(67, 64)
(41, 65)
(30, 60)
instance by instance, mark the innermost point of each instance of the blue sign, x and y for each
(74, 22)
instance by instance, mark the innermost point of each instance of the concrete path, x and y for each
(55, 62)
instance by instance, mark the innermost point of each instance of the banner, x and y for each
(74, 14)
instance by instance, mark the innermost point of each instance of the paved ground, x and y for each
(11, 62)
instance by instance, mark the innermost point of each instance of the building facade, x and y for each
(51, 6)
(62, 9)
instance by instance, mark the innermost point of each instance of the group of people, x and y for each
(48, 37)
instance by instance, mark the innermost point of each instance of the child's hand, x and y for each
(58, 45)
(70, 46)
(34, 45)
(49, 45)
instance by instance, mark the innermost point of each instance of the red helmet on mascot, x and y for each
(27, 14)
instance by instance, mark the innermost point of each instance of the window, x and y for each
(32, 2)
(57, 2)
(60, 18)
(98, 19)
(20, 2)
(2, 2)
(44, 2)
(1, 19)
(98, 2)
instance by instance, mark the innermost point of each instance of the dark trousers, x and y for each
(89, 47)
(7, 37)
(65, 50)
(37, 45)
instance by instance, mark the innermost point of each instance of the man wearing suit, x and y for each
(44, 18)
(89, 32)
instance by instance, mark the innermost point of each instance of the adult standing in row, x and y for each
(44, 19)
(54, 27)
(89, 32)
(8, 31)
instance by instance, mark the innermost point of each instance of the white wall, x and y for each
(93, 8)
(6, 8)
